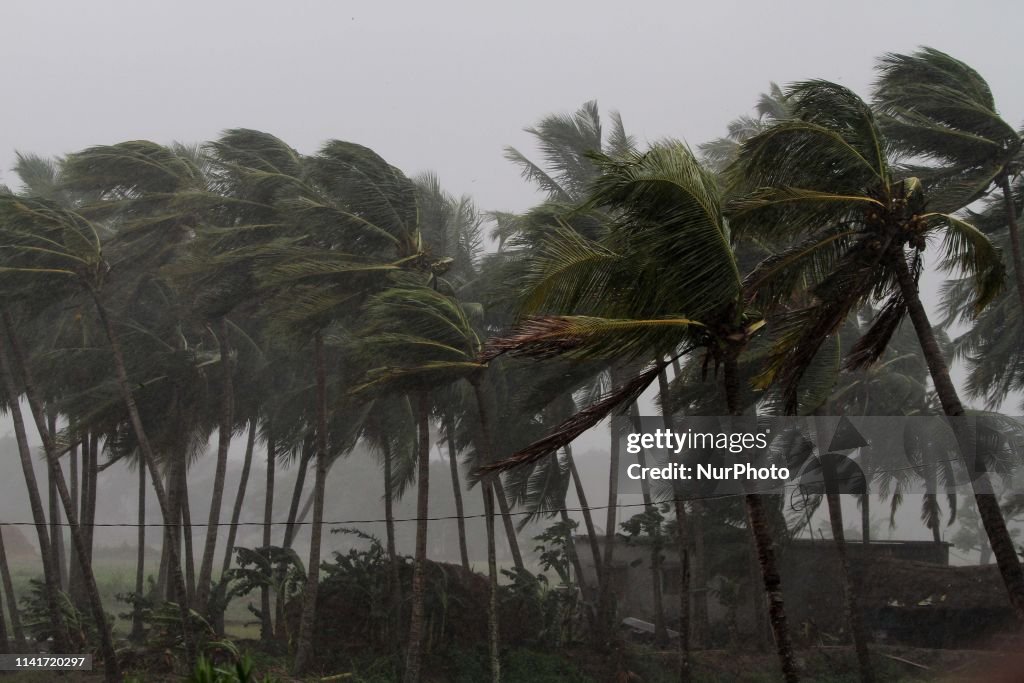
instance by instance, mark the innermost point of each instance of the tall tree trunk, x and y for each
(137, 634)
(499, 489)
(290, 528)
(1014, 230)
(758, 522)
(389, 513)
(74, 585)
(55, 517)
(75, 578)
(988, 505)
(188, 533)
(682, 523)
(266, 625)
(485, 442)
(47, 431)
(12, 601)
(865, 523)
(224, 433)
(607, 606)
(174, 560)
(588, 518)
(684, 591)
(5, 643)
(389, 523)
(510, 527)
(660, 629)
(51, 574)
(696, 573)
(453, 464)
(236, 513)
(493, 636)
(91, 475)
(56, 531)
(414, 653)
(307, 621)
(850, 580)
(164, 589)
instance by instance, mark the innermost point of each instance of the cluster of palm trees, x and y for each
(152, 295)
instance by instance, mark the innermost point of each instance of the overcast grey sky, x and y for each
(444, 85)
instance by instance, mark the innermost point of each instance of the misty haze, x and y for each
(344, 341)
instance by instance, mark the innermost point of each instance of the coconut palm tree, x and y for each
(823, 181)
(46, 243)
(423, 339)
(664, 277)
(938, 109)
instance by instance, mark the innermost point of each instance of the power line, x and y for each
(442, 518)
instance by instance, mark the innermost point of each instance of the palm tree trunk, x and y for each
(224, 433)
(164, 587)
(389, 507)
(174, 560)
(47, 430)
(55, 517)
(588, 518)
(850, 589)
(684, 591)
(988, 505)
(607, 610)
(236, 512)
(850, 581)
(266, 624)
(389, 524)
(758, 521)
(493, 636)
(307, 621)
(12, 600)
(865, 523)
(684, 555)
(186, 526)
(290, 528)
(91, 475)
(453, 464)
(510, 527)
(658, 604)
(499, 489)
(696, 573)
(414, 655)
(5, 643)
(82, 477)
(56, 532)
(51, 574)
(74, 586)
(1014, 230)
(140, 560)
(484, 441)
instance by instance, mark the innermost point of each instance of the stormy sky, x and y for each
(445, 85)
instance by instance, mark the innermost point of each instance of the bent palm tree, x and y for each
(664, 276)
(824, 183)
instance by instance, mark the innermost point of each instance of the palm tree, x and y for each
(565, 142)
(939, 109)
(663, 277)
(423, 339)
(313, 237)
(824, 182)
(44, 241)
